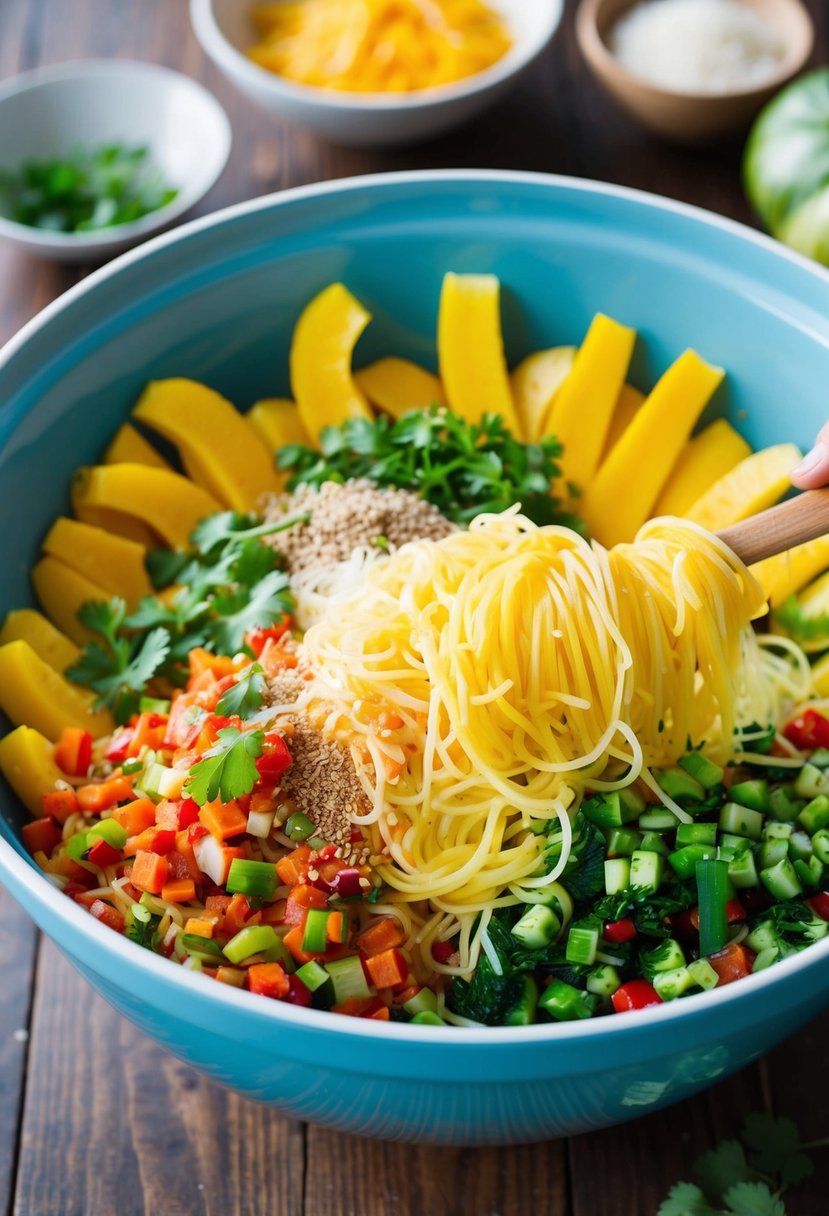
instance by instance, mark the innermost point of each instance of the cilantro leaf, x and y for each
(245, 609)
(462, 468)
(685, 1199)
(775, 1148)
(245, 696)
(120, 669)
(753, 1199)
(143, 931)
(226, 771)
(721, 1167)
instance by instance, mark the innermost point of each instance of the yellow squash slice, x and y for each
(583, 409)
(783, 575)
(27, 763)
(110, 562)
(473, 367)
(820, 676)
(626, 407)
(398, 386)
(61, 592)
(33, 694)
(321, 353)
(535, 382)
(708, 457)
(163, 501)
(622, 495)
(755, 484)
(814, 603)
(119, 523)
(277, 422)
(218, 448)
(48, 643)
(130, 447)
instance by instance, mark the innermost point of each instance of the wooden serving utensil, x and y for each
(791, 523)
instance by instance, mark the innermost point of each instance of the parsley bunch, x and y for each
(462, 468)
(229, 583)
(746, 1177)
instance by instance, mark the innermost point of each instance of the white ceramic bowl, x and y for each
(94, 102)
(224, 29)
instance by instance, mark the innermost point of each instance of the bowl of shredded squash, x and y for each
(375, 72)
(384, 727)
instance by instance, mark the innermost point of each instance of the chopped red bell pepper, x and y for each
(297, 993)
(73, 751)
(107, 915)
(118, 747)
(103, 854)
(42, 835)
(443, 951)
(808, 730)
(635, 994)
(275, 758)
(619, 930)
(820, 904)
(257, 639)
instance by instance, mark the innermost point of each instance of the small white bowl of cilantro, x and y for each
(98, 155)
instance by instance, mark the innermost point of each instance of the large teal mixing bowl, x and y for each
(217, 301)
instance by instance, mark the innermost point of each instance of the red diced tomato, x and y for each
(443, 951)
(635, 994)
(808, 730)
(42, 835)
(818, 903)
(163, 841)
(275, 758)
(619, 930)
(297, 993)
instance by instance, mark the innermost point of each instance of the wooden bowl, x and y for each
(682, 116)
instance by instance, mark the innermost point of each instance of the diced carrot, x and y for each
(101, 795)
(107, 915)
(135, 817)
(268, 979)
(179, 891)
(184, 850)
(149, 872)
(300, 900)
(234, 976)
(354, 1007)
(382, 934)
(201, 660)
(732, 963)
(387, 970)
(293, 869)
(334, 927)
(73, 751)
(41, 835)
(218, 903)
(149, 731)
(144, 840)
(293, 944)
(80, 895)
(379, 1015)
(239, 913)
(70, 869)
(223, 819)
(274, 914)
(60, 804)
(200, 926)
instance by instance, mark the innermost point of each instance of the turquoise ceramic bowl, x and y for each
(218, 301)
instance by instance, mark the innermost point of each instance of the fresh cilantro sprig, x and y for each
(462, 468)
(229, 583)
(800, 626)
(228, 770)
(746, 1177)
(245, 696)
(119, 667)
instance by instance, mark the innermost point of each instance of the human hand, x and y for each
(813, 470)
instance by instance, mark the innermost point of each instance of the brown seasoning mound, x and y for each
(322, 781)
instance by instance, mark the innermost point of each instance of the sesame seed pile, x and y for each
(344, 517)
(322, 782)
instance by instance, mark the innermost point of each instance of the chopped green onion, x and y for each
(110, 831)
(200, 947)
(348, 979)
(312, 975)
(257, 878)
(315, 936)
(712, 896)
(299, 827)
(253, 939)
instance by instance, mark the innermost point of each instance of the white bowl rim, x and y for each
(119, 234)
(224, 996)
(229, 57)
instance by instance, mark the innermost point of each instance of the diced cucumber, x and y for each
(703, 974)
(632, 800)
(671, 984)
(809, 872)
(566, 1003)
(781, 879)
(427, 1018)
(654, 842)
(348, 978)
(800, 846)
(762, 937)
(616, 874)
(537, 927)
(765, 958)
(741, 821)
(621, 842)
(782, 804)
(774, 830)
(522, 1013)
(696, 833)
(424, 999)
(679, 784)
(727, 840)
(820, 845)
(810, 782)
(607, 810)
(772, 851)
(684, 861)
(658, 819)
(667, 956)
(646, 870)
(582, 944)
(603, 981)
(703, 770)
(820, 757)
(815, 814)
(753, 794)
(742, 871)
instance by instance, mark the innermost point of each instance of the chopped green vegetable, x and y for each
(227, 770)
(120, 669)
(461, 467)
(245, 696)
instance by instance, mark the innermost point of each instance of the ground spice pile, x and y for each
(347, 516)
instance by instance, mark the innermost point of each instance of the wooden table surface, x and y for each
(95, 1118)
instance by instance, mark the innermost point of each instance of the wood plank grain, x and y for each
(18, 944)
(113, 1123)
(350, 1176)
